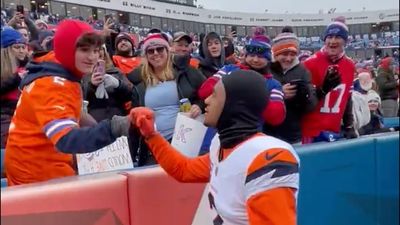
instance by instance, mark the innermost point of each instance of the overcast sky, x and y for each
(297, 6)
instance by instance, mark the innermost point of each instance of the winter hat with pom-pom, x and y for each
(259, 42)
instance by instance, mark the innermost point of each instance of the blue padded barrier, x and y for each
(391, 122)
(350, 182)
(3, 182)
(338, 183)
(387, 158)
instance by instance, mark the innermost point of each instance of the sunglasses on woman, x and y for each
(152, 51)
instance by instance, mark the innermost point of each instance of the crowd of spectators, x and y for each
(148, 67)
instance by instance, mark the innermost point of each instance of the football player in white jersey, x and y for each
(254, 178)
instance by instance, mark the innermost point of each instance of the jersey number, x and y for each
(335, 109)
(59, 80)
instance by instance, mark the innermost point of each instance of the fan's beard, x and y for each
(127, 53)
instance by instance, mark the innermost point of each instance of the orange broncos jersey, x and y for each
(126, 64)
(48, 108)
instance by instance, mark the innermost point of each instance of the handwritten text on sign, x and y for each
(115, 156)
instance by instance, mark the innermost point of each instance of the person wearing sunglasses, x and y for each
(257, 58)
(160, 84)
(253, 178)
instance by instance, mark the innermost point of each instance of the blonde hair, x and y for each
(148, 76)
(8, 63)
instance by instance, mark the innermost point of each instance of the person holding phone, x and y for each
(24, 25)
(299, 94)
(48, 114)
(332, 73)
(106, 89)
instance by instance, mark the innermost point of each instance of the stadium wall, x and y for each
(348, 182)
(179, 12)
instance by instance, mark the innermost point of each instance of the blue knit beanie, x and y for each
(337, 28)
(256, 43)
(9, 36)
(261, 40)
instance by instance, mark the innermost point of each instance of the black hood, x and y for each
(246, 98)
(208, 60)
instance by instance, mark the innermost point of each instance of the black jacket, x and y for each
(387, 85)
(8, 105)
(304, 101)
(188, 79)
(102, 109)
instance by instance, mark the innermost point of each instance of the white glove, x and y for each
(110, 82)
(101, 92)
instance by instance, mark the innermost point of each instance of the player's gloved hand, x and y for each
(120, 125)
(143, 119)
(331, 80)
(350, 133)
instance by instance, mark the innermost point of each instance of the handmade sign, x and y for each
(115, 156)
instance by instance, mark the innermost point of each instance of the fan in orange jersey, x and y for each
(253, 178)
(124, 58)
(45, 129)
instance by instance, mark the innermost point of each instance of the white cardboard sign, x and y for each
(188, 134)
(115, 156)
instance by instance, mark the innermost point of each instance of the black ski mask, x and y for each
(246, 98)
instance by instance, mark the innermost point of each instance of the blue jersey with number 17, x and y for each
(328, 114)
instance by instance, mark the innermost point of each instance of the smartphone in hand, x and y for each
(296, 81)
(333, 69)
(100, 67)
(20, 9)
